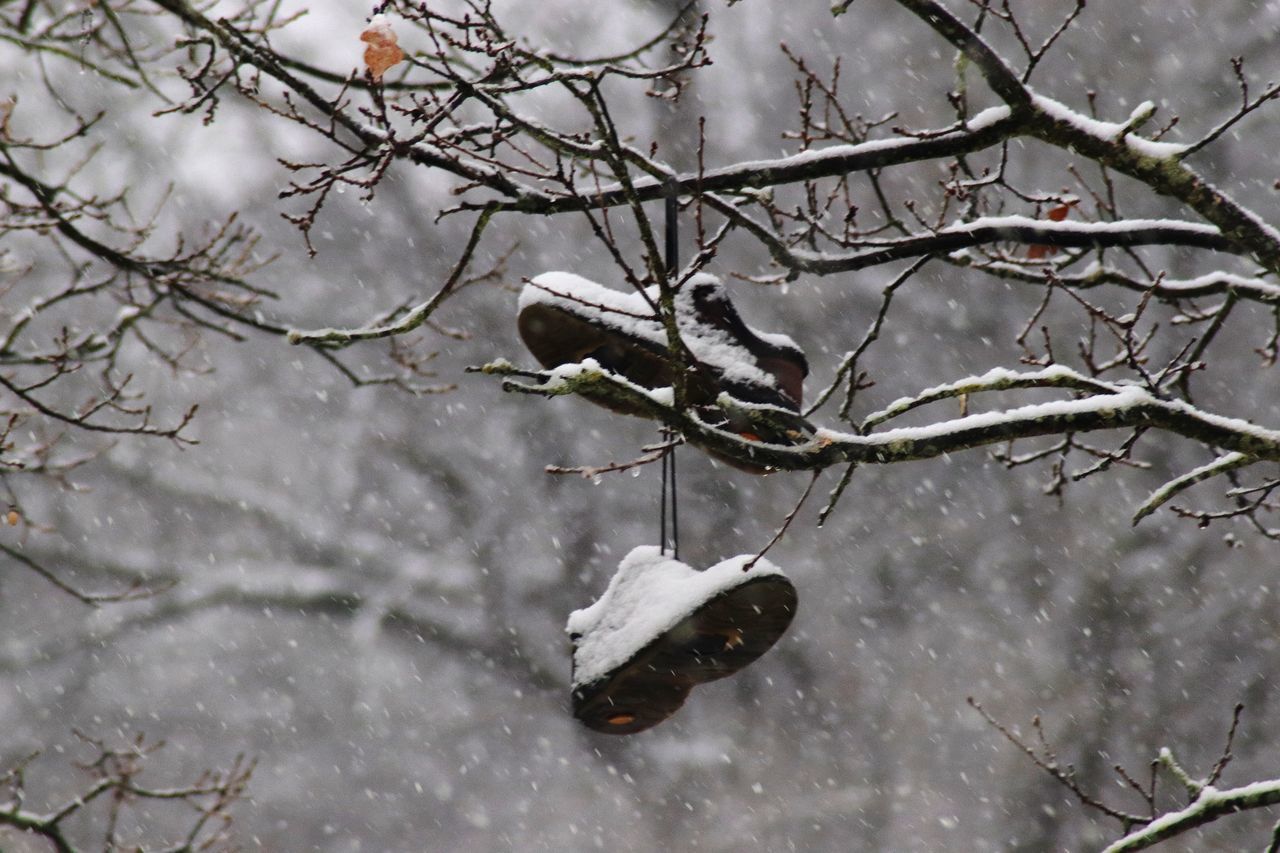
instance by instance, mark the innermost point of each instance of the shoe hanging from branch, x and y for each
(565, 319)
(662, 628)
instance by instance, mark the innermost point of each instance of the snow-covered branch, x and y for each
(1207, 801)
(1107, 407)
(1162, 495)
(1219, 283)
(981, 232)
(983, 131)
(1158, 165)
(1209, 805)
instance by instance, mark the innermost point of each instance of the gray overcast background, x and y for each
(373, 586)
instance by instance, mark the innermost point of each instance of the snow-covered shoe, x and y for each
(565, 319)
(662, 628)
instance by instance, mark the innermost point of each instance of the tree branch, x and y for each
(983, 131)
(1210, 805)
(1119, 407)
(1158, 165)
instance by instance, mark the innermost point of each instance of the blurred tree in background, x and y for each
(1041, 230)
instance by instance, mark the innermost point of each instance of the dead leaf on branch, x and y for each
(1056, 214)
(6, 112)
(383, 51)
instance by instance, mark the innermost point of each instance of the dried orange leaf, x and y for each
(6, 111)
(382, 52)
(1036, 251)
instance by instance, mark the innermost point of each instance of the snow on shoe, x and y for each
(565, 319)
(661, 628)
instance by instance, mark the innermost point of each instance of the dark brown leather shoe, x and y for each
(661, 629)
(566, 319)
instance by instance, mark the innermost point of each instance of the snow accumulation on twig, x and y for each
(1125, 398)
(1208, 806)
(996, 379)
(953, 239)
(1066, 226)
(1256, 288)
(1108, 406)
(1162, 495)
(980, 131)
(1216, 283)
(1112, 406)
(1112, 131)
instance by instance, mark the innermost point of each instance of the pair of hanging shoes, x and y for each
(565, 319)
(662, 628)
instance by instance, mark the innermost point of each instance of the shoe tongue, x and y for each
(759, 369)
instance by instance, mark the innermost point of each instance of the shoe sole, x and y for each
(725, 634)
